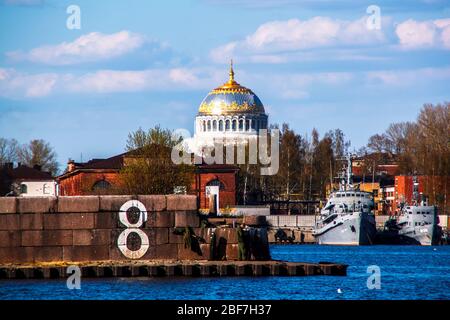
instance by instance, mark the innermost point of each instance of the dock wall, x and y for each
(111, 228)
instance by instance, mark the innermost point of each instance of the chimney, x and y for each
(70, 165)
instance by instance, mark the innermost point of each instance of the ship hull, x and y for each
(428, 235)
(351, 229)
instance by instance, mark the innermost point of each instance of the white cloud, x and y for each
(93, 46)
(23, 2)
(15, 84)
(274, 37)
(414, 34)
(298, 85)
(407, 77)
(290, 86)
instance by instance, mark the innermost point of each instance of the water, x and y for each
(407, 272)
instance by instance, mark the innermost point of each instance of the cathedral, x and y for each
(230, 111)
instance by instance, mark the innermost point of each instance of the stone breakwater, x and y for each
(115, 228)
(154, 268)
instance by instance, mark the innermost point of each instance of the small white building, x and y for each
(32, 182)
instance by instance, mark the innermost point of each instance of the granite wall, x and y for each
(97, 228)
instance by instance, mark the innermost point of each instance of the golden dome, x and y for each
(231, 98)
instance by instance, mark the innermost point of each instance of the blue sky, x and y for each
(141, 63)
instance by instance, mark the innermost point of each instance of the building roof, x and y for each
(115, 162)
(26, 173)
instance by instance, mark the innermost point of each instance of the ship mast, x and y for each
(349, 170)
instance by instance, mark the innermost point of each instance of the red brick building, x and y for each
(435, 188)
(223, 176)
(100, 176)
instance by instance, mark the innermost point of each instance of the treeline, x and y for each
(421, 147)
(37, 152)
(307, 164)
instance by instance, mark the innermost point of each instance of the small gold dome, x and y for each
(231, 98)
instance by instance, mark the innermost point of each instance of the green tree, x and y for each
(148, 167)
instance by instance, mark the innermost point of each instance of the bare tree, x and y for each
(38, 153)
(8, 150)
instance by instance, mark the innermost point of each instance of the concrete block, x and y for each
(86, 253)
(39, 238)
(69, 221)
(232, 252)
(230, 234)
(8, 205)
(175, 238)
(206, 234)
(164, 219)
(46, 254)
(106, 220)
(189, 254)
(162, 236)
(153, 202)
(14, 255)
(9, 221)
(32, 238)
(95, 237)
(255, 220)
(181, 202)
(36, 204)
(31, 221)
(10, 239)
(113, 203)
(206, 251)
(167, 251)
(79, 204)
(187, 218)
(151, 220)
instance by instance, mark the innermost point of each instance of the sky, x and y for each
(313, 63)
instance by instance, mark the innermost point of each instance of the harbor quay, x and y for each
(131, 236)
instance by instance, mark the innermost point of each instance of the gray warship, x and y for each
(347, 218)
(417, 223)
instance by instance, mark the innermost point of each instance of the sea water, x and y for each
(406, 272)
